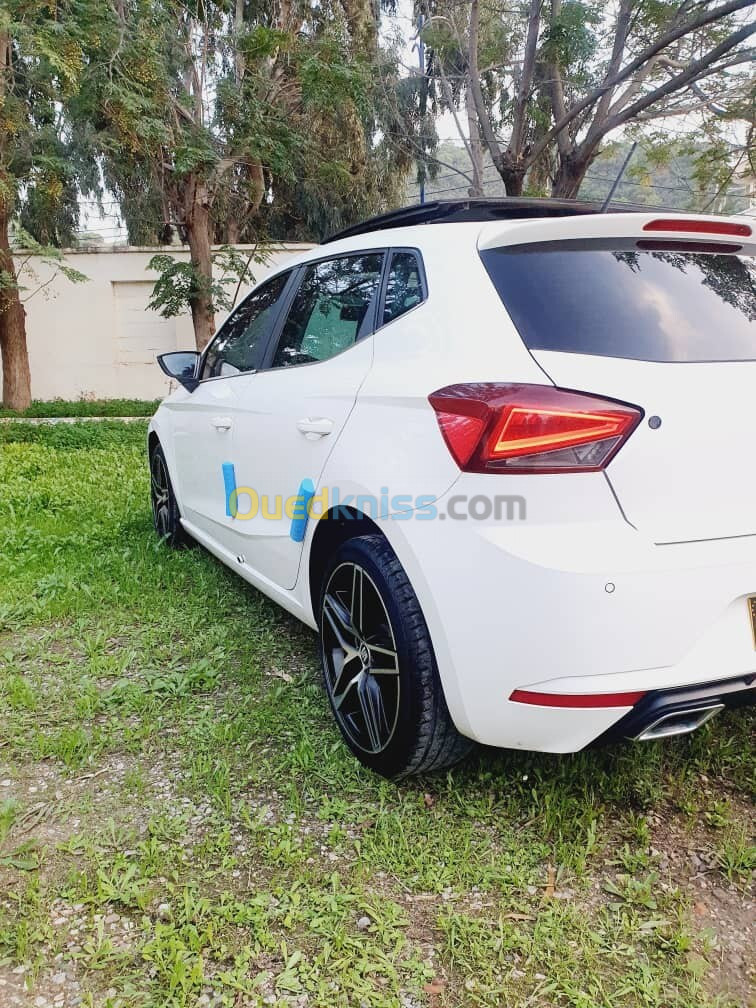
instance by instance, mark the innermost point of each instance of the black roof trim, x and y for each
(459, 210)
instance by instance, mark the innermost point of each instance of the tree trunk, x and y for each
(513, 182)
(232, 231)
(198, 231)
(15, 358)
(569, 177)
(512, 173)
(476, 147)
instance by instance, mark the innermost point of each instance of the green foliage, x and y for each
(241, 108)
(262, 42)
(31, 255)
(660, 174)
(181, 282)
(570, 39)
(329, 79)
(25, 247)
(87, 408)
(39, 166)
(177, 285)
(49, 210)
(572, 64)
(109, 434)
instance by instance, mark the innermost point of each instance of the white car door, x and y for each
(203, 420)
(295, 409)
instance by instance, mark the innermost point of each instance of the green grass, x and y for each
(196, 821)
(86, 408)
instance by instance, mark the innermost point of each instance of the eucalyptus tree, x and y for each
(42, 49)
(551, 80)
(206, 112)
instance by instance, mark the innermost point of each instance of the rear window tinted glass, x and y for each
(404, 286)
(619, 300)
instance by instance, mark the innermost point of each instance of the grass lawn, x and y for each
(85, 408)
(180, 824)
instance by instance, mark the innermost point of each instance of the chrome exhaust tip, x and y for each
(679, 722)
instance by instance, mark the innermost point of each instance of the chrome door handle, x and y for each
(315, 427)
(221, 423)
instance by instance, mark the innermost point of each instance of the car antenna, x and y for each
(620, 173)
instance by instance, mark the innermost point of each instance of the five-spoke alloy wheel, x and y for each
(360, 661)
(165, 512)
(378, 664)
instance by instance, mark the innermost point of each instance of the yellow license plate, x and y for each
(752, 609)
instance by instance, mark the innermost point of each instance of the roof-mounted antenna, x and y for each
(617, 181)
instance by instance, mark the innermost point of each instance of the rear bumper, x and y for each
(572, 607)
(662, 713)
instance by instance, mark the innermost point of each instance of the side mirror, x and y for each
(182, 366)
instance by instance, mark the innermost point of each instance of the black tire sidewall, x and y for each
(413, 647)
(176, 536)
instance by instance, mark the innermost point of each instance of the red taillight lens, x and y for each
(681, 225)
(490, 427)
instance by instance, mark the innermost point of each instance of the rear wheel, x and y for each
(378, 664)
(165, 512)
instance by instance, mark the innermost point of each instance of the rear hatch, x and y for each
(660, 314)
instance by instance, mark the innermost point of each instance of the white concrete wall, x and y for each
(98, 339)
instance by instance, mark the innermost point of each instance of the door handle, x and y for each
(315, 427)
(221, 423)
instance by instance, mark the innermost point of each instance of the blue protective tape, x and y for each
(299, 522)
(229, 483)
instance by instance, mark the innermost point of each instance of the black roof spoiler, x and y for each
(461, 210)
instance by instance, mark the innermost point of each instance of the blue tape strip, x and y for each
(229, 484)
(299, 522)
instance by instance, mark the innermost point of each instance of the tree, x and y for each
(670, 173)
(558, 77)
(40, 62)
(205, 113)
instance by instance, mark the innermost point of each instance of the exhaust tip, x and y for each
(679, 722)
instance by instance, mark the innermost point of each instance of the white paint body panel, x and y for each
(273, 457)
(602, 587)
(689, 479)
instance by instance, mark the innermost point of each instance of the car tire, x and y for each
(379, 668)
(166, 516)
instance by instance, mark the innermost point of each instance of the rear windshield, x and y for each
(642, 300)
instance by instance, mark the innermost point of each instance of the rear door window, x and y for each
(333, 308)
(641, 300)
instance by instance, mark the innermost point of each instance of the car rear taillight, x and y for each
(492, 427)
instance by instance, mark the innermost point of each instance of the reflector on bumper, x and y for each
(594, 700)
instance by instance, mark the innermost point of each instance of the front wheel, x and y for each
(165, 511)
(378, 665)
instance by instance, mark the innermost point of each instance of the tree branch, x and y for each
(445, 86)
(526, 79)
(557, 91)
(697, 70)
(474, 84)
(665, 40)
(620, 40)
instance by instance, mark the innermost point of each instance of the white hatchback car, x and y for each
(500, 455)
